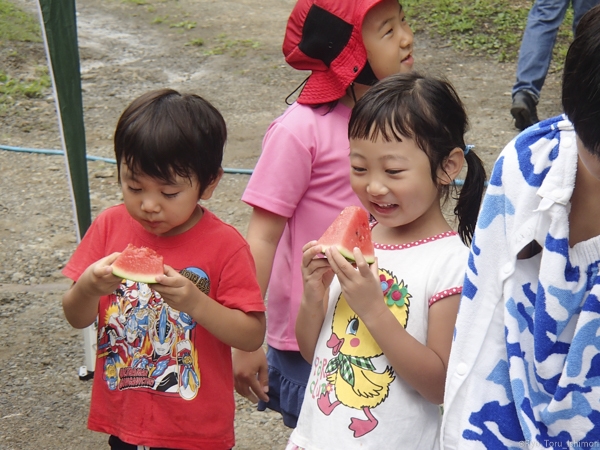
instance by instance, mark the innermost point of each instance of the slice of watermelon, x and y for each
(350, 229)
(138, 264)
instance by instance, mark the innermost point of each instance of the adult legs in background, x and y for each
(535, 54)
(580, 7)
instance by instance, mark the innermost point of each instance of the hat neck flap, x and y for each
(324, 35)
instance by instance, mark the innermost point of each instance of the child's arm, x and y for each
(316, 277)
(233, 327)
(421, 366)
(264, 232)
(80, 302)
(251, 369)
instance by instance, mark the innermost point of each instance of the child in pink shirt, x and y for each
(301, 182)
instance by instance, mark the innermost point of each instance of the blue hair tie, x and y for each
(468, 148)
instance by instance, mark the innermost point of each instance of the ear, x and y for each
(451, 166)
(208, 192)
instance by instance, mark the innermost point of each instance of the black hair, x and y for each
(581, 81)
(429, 111)
(164, 134)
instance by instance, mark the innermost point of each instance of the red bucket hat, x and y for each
(325, 37)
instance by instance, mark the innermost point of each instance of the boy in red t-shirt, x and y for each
(163, 376)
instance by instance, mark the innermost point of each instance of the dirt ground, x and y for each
(126, 49)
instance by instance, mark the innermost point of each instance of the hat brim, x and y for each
(330, 85)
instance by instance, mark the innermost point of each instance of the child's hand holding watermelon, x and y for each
(316, 276)
(178, 291)
(360, 282)
(316, 272)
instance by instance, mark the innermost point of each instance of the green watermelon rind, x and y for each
(348, 254)
(141, 278)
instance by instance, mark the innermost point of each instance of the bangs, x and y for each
(409, 107)
(152, 149)
(386, 122)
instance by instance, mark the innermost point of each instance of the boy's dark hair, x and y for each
(428, 110)
(581, 81)
(163, 134)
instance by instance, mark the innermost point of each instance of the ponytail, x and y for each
(469, 199)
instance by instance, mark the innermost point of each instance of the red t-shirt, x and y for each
(162, 380)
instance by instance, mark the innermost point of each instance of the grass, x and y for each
(235, 47)
(482, 27)
(199, 42)
(185, 24)
(17, 25)
(12, 88)
(159, 19)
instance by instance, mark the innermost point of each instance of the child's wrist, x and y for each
(86, 290)
(374, 313)
(312, 303)
(198, 304)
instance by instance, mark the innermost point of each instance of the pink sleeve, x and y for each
(451, 266)
(445, 294)
(282, 174)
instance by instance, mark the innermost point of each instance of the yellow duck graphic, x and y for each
(350, 372)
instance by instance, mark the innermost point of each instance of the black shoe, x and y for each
(523, 110)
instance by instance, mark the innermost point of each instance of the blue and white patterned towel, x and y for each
(525, 365)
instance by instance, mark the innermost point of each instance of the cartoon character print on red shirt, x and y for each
(147, 344)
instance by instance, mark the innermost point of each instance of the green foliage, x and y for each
(186, 25)
(236, 47)
(492, 27)
(159, 19)
(12, 88)
(196, 42)
(17, 25)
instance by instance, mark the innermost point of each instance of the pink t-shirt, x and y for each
(303, 174)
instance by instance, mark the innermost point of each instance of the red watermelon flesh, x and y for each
(350, 229)
(138, 264)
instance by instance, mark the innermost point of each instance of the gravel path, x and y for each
(125, 51)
